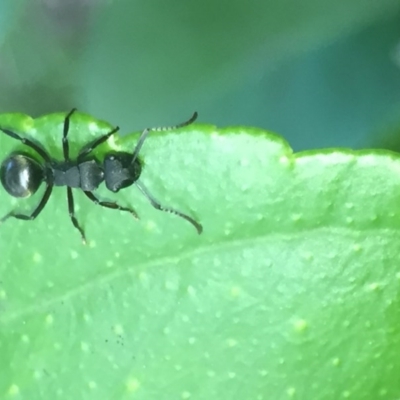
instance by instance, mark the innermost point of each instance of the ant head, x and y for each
(21, 175)
(121, 170)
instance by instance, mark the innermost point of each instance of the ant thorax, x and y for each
(86, 175)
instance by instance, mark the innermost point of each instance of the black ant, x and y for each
(21, 175)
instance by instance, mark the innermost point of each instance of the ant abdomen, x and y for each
(21, 175)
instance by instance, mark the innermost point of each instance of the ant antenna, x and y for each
(144, 134)
(158, 206)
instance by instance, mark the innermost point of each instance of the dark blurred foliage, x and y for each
(40, 55)
(320, 73)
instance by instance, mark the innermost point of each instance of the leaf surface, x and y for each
(292, 290)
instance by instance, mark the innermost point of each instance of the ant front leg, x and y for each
(89, 148)
(156, 204)
(109, 204)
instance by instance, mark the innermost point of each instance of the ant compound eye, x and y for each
(21, 175)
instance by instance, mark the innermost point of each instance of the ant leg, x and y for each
(71, 210)
(29, 143)
(87, 149)
(35, 212)
(65, 134)
(158, 206)
(109, 204)
(144, 134)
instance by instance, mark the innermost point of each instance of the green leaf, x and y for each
(292, 291)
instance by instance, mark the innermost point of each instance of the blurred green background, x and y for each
(318, 72)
